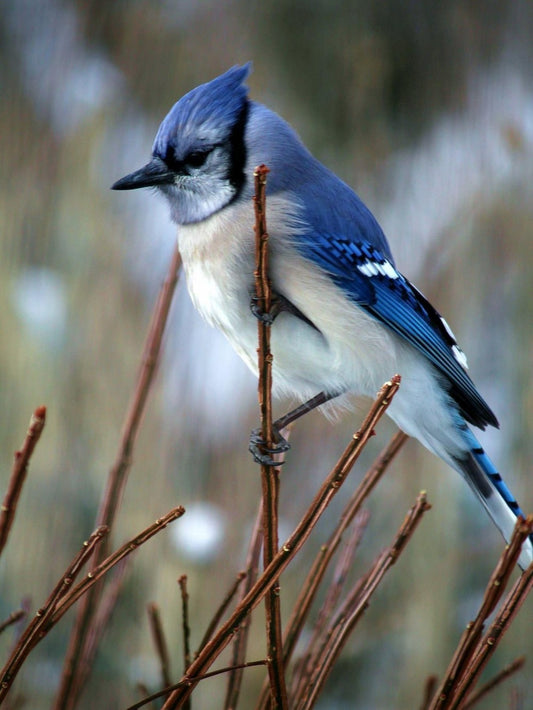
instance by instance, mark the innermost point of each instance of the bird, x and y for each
(346, 319)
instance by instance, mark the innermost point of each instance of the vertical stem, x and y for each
(264, 301)
(269, 474)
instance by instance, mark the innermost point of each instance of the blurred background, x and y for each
(426, 109)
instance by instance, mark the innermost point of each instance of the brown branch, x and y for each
(516, 700)
(40, 624)
(429, 691)
(160, 642)
(98, 572)
(263, 301)
(241, 639)
(144, 693)
(494, 635)
(458, 666)
(356, 604)
(64, 595)
(285, 554)
(106, 605)
(220, 613)
(499, 678)
(305, 664)
(12, 619)
(184, 681)
(326, 552)
(79, 655)
(182, 581)
(18, 473)
(269, 474)
(342, 567)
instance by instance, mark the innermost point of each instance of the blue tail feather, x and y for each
(489, 486)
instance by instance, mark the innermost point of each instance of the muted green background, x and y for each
(426, 108)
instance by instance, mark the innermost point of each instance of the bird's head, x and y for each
(199, 153)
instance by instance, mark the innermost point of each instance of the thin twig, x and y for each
(305, 664)
(517, 700)
(144, 692)
(269, 474)
(355, 605)
(429, 691)
(496, 680)
(220, 612)
(12, 619)
(64, 595)
(18, 473)
(160, 642)
(182, 581)
(241, 638)
(327, 492)
(327, 551)
(98, 572)
(492, 638)
(39, 625)
(342, 567)
(304, 667)
(263, 301)
(78, 659)
(184, 681)
(455, 672)
(107, 604)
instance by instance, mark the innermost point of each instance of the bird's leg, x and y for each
(258, 449)
(278, 304)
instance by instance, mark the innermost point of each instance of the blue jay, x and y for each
(347, 319)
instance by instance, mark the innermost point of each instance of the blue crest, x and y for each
(205, 112)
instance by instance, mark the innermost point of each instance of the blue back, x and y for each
(344, 239)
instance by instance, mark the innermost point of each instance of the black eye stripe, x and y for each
(170, 159)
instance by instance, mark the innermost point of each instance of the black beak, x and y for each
(153, 173)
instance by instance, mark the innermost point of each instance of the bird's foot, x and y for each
(262, 453)
(267, 317)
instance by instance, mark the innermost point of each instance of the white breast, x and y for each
(219, 260)
(219, 255)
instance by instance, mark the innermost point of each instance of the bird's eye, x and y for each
(196, 158)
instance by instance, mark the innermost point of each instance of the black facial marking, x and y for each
(236, 174)
(170, 160)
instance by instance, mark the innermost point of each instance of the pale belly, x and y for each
(348, 351)
(340, 354)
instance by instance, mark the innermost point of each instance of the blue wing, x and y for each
(372, 281)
